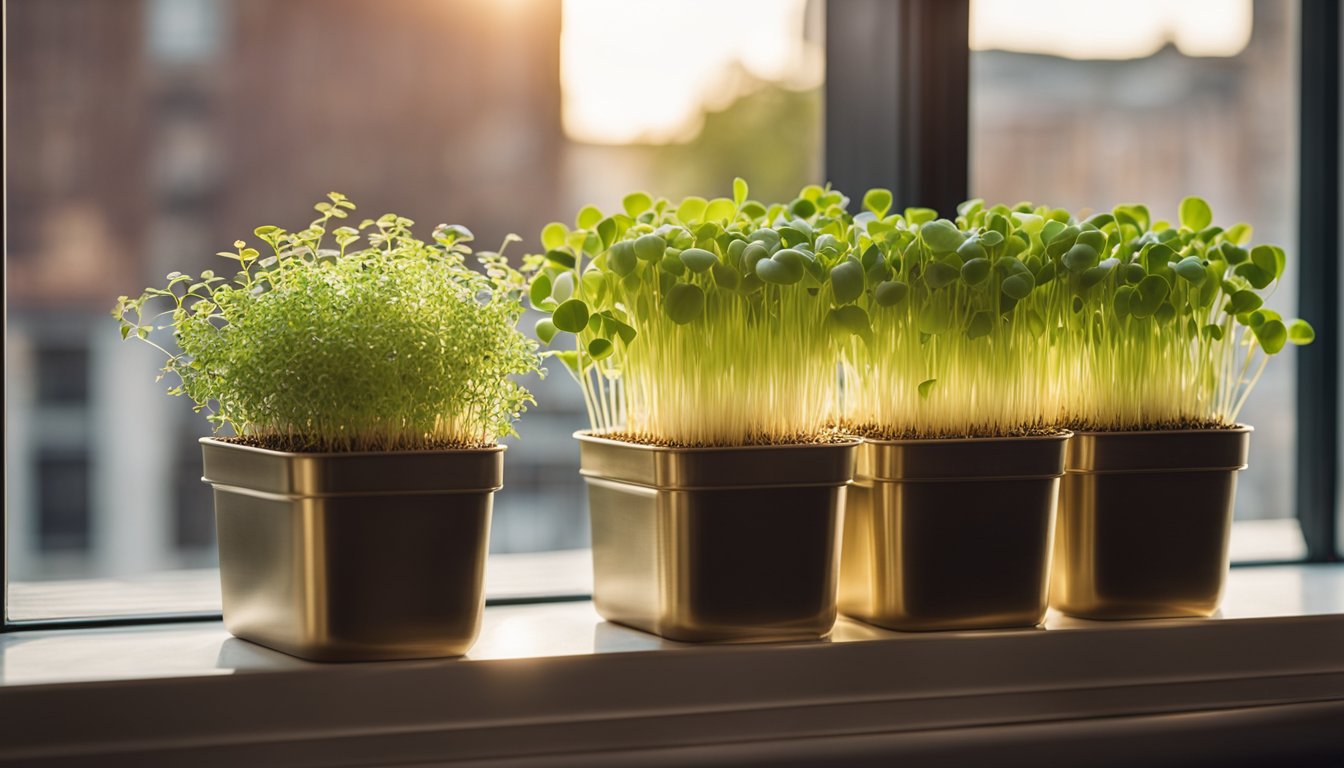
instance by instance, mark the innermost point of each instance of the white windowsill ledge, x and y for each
(554, 684)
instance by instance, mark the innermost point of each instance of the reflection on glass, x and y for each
(1091, 104)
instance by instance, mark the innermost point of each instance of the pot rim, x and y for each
(847, 441)
(497, 448)
(1233, 430)
(1061, 435)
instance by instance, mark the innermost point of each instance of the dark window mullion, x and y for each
(1318, 288)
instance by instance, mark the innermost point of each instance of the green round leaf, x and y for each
(650, 247)
(1081, 257)
(1195, 213)
(785, 267)
(546, 330)
(621, 258)
(847, 281)
(588, 217)
(1272, 336)
(1018, 286)
(981, 324)
(684, 303)
(1243, 301)
(571, 316)
(540, 289)
(890, 293)
(553, 235)
(1152, 291)
(939, 274)
(698, 259)
(941, 236)
(1191, 269)
(599, 348)
(975, 271)
(878, 201)
(1300, 332)
(562, 288)
(636, 204)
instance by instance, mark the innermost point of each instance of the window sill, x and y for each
(554, 682)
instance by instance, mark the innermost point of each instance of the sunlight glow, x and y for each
(1107, 29)
(645, 70)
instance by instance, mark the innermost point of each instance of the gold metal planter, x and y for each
(951, 534)
(716, 544)
(1144, 522)
(353, 556)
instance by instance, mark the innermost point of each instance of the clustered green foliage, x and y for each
(722, 322)
(398, 345)
(701, 323)
(1023, 318)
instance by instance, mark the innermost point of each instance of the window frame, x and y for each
(917, 144)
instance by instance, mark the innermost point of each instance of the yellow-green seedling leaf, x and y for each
(850, 320)
(553, 235)
(1243, 301)
(692, 209)
(720, 210)
(540, 290)
(785, 267)
(562, 287)
(588, 217)
(925, 387)
(636, 203)
(684, 303)
(739, 191)
(650, 247)
(1018, 286)
(941, 236)
(1212, 331)
(1254, 275)
(847, 281)
(1191, 269)
(981, 324)
(1269, 259)
(1195, 213)
(975, 271)
(971, 249)
(698, 259)
(621, 258)
(802, 208)
(1272, 335)
(934, 318)
(546, 330)
(1238, 234)
(878, 201)
(1081, 257)
(606, 231)
(571, 316)
(563, 258)
(939, 274)
(1098, 273)
(1300, 333)
(599, 348)
(1152, 291)
(919, 216)
(890, 293)
(594, 285)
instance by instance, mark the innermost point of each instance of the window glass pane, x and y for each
(146, 135)
(1089, 103)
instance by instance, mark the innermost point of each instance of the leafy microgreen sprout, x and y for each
(1162, 325)
(704, 322)
(947, 331)
(397, 345)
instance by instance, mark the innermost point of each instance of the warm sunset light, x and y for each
(1094, 29)
(637, 71)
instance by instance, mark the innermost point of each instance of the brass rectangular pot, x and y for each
(951, 533)
(1144, 522)
(716, 544)
(353, 556)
